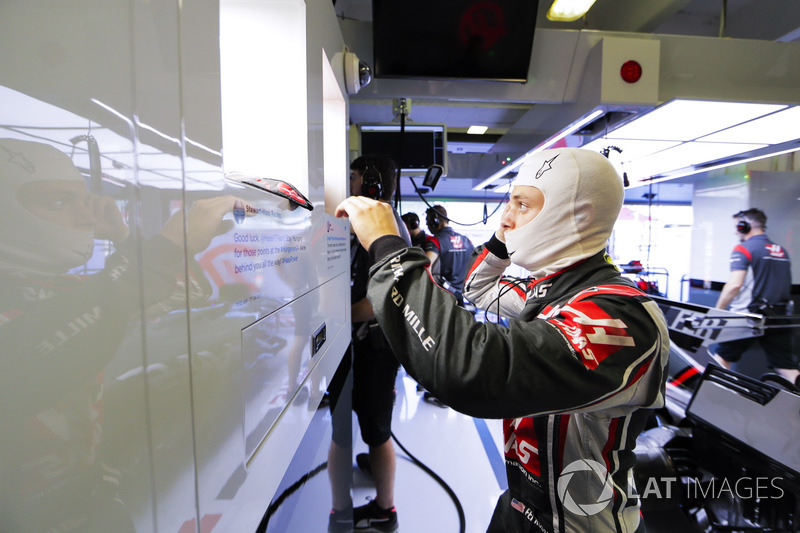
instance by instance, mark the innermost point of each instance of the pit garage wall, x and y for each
(772, 185)
(168, 405)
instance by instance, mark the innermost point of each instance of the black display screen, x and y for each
(411, 149)
(465, 39)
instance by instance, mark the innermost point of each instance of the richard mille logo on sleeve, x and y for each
(397, 268)
(413, 320)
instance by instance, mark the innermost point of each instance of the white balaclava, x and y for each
(28, 242)
(583, 195)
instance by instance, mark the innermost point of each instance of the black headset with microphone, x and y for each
(372, 184)
(742, 225)
(411, 220)
(432, 217)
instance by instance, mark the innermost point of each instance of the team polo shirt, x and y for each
(455, 252)
(769, 272)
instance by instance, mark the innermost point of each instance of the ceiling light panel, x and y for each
(631, 148)
(776, 128)
(686, 120)
(575, 126)
(685, 155)
(708, 168)
(568, 10)
(477, 130)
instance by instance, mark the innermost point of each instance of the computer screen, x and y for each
(464, 39)
(414, 148)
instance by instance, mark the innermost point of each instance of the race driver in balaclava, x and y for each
(57, 332)
(60, 330)
(579, 365)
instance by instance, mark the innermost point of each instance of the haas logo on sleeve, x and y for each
(591, 332)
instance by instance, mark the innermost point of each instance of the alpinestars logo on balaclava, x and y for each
(547, 165)
(582, 198)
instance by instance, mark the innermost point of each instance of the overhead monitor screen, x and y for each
(415, 148)
(464, 39)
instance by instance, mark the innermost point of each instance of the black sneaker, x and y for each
(372, 519)
(340, 521)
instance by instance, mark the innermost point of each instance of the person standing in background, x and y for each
(760, 282)
(454, 251)
(431, 246)
(423, 240)
(374, 372)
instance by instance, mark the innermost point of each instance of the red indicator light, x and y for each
(630, 71)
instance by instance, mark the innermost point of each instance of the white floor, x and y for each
(451, 445)
(465, 453)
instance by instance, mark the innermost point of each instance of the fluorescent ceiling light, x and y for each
(477, 130)
(686, 120)
(776, 128)
(631, 148)
(689, 172)
(575, 126)
(685, 155)
(568, 10)
(683, 137)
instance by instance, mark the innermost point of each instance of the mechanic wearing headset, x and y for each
(424, 241)
(760, 282)
(580, 364)
(374, 373)
(453, 251)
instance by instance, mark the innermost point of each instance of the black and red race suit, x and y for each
(573, 374)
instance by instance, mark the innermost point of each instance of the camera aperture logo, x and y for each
(238, 212)
(592, 478)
